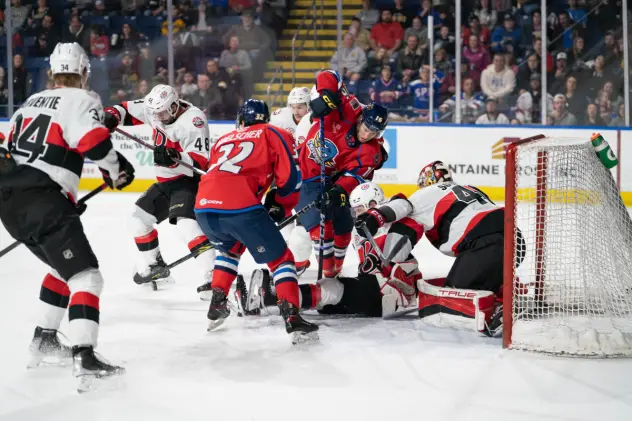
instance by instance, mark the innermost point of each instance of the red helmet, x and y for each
(433, 173)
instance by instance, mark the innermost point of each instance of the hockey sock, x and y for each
(324, 292)
(310, 295)
(148, 246)
(146, 237)
(225, 271)
(329, 263)
(54, 298)
(192, 233)
(285, 279)
(83, 312)
(341, 243)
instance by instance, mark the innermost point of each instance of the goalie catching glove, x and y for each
(124, 177)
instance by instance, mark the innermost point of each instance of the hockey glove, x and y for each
(275, 210)
(373, 220)
(111, 118)
(165, 157)
(81, 208)
(125, 175)
(324, 104)
(334, 197)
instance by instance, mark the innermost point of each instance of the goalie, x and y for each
(460, 221)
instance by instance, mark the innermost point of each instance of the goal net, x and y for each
(570, 236)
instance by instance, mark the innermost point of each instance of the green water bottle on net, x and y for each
(604, 151)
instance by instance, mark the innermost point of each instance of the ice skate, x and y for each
(155, 274)
(46, 348)
(218, 311)
(205, 291)
(87, 366)
(261, 293)
(241, 297)
(300, 330)
(495, 326)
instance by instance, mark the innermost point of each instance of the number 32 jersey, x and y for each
(451, 214)
(189, 135)
(244, 163)
(56, 129)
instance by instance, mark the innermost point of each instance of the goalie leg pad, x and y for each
(457, 308)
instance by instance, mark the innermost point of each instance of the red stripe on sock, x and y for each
(56, 285)
(303, 264)
(222, 279)
(286, 257)
(316, 294)
(84, 299)
(342, 240)
(329, 267)
(288, 291)
(147, 238)
(196, 242)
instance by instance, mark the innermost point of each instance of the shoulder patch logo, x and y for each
(198, 122)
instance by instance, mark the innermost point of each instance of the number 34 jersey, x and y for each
(55, 129)
(244, 163)
(451, 215)
(189, 135)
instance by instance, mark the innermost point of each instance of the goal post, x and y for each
(568, 251)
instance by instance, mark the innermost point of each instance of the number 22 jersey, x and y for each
(55, 129)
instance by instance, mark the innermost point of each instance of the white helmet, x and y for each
(366, 196)
(159, 103)
(298, 95)
(70, 58)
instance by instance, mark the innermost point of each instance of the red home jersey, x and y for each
(243, 165)
(345, 157)
(349, 109)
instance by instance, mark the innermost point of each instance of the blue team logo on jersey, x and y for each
(329, 155)
(390, 144)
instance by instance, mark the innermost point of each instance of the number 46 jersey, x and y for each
(451, 214)
(55, 129)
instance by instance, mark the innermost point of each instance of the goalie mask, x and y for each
(433, 173)
(366, 196)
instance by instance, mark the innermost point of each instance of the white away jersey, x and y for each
(55, 129)
(189, 135)
(284, 119)
(302, 129)
(451, 214)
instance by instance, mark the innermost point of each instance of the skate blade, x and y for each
(155, 284)
(91, 382)
(299, 338)
(214, 324)
(48, 361)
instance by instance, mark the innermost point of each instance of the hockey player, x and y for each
(376, 291)
(244, 163)
(352, 153)
(459, 221)
(289, 117)
(180, 131)
(332, 94)
(50, 136)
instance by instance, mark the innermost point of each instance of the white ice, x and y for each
(362, 369)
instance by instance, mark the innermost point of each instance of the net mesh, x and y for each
(572, 292)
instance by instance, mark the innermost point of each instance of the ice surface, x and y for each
(363, 369)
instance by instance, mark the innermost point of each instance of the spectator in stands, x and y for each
(252, 38)
(19, 14)
(37, 14)
(100, 10)
(531, 30)
(562, 32)
(376, 62)
(387, 34)
(132, 7)
(48, 29)
(560, 115)
(77, 32)
(202, 16)
(420, 31)
(426, 11)
(472, 104)
(607, 101)
(124, 78)
(207, 99)
(142, 89)
(99, 42)
(619, 119)
(520, 13)
(210, 42)
(491, 115)
(188, 87)
(127, 40)
(607, 15)
(420, 89)
(269, 18)
(535, 91)
(156, 8)
(177, 25)
(445, 41)
(576, 103)
(577, 55)
(410, 59)
(146, 64)
(610, 50)
(348, 60)
(239, 6)
(442, 63)
(475, 28)
(403, 14)
(384, 90)
(506, 37)
(41, 48)
(477, 56)
(486, 14)
(236, 60)
(497, 80)
(20, 80)
(524, 109)
(528, 67)
(361, 34)
(448, 87)
(230, 86)
(188, 13)
(537, 49)
(592, 117)
(558, 79)
(368, 15)
(577, 14)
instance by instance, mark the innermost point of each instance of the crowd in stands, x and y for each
(386, 52)
(219, 47)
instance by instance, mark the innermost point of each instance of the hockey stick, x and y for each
(323, 186)
(152, 147)
(79, 202)
(159, 272)
(385, 260)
